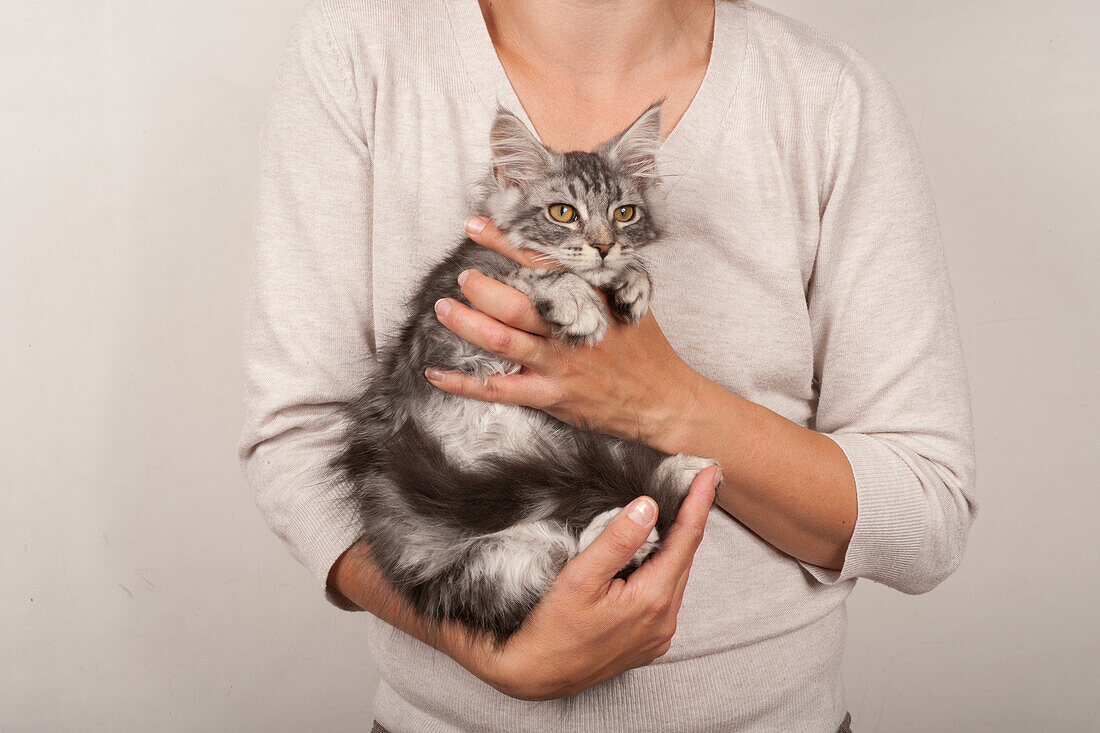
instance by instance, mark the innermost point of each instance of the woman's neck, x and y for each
(606, 41)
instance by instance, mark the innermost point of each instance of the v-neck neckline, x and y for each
(700, 122)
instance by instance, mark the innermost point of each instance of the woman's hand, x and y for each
(592, 626)
(632, 384)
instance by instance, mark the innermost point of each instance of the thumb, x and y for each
(627, 531)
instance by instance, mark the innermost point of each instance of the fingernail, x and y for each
(462, 277)
(475, 224)
(642, 511)
(435, 374)
(717, 477)
(442, 306)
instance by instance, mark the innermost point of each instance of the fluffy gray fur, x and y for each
(471, 508)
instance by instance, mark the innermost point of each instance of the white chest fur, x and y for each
(469, 429)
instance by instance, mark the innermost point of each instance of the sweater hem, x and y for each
(790, 682)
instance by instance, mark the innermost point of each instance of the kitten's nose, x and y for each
(603, 249)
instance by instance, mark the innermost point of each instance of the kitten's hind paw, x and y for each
(599, 524)
(680, 470)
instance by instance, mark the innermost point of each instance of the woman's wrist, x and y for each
(518, 676)
(678, 412)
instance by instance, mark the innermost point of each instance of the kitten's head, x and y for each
(590, 212)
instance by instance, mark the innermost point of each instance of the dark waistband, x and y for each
(845, 727)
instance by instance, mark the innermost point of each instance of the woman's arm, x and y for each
(792, 486)
(308, 332)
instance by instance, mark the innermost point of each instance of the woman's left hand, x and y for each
(632, 384)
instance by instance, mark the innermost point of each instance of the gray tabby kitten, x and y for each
(471, 508)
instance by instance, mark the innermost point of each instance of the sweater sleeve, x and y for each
(308, 330)
(893, 388)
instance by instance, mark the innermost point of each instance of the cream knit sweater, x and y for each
(803, 270)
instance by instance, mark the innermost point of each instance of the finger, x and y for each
(511, 389)
(484, 232)
(490, 334)
(670, 563)
(678, 592)
(502, 302)
(595, 566)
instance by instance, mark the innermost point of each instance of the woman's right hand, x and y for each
(592, 626)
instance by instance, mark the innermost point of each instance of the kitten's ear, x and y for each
(634, 150)
(518, 156)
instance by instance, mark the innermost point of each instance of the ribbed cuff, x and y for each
(890, 524)
(318, 533)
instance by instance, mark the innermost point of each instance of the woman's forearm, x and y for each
(356, 576)
(790, 485)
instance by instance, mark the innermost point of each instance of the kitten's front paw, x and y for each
(574, 310)
(630, 297)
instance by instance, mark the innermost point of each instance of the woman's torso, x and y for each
(759, 640)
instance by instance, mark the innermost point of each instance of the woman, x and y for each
(807, 342)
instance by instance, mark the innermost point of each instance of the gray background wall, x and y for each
(139, 588)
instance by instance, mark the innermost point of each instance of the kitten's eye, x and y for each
(624, 213)
(563, 213)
